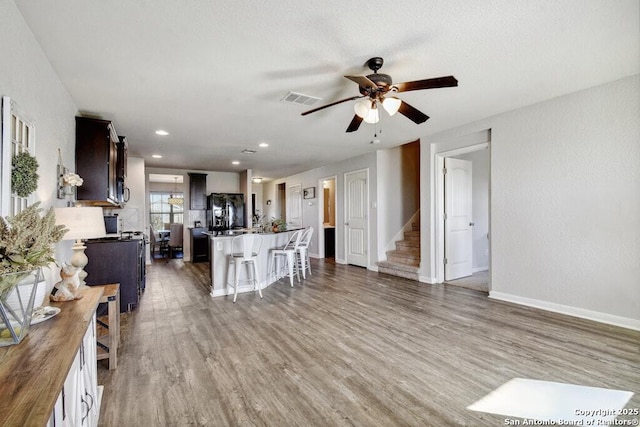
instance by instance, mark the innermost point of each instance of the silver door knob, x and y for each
(471, 224)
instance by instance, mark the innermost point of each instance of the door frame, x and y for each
(321, 212)
(344, 216)
(439, 208)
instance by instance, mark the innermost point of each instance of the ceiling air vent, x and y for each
(249, 151)
(298, 98)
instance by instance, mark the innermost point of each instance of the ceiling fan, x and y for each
(377, 89)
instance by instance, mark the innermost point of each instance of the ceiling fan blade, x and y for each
(412, 113)
(448, 81)
(363, 81)
(332, 104)
(355, 123)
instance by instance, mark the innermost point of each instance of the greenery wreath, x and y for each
(24, 174)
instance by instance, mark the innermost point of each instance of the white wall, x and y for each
(28, 78)
(565, 202)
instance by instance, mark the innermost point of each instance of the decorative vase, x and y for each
(17, 297)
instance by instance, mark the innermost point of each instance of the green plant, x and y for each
(279, 223)
(26, 239)
(24, 174)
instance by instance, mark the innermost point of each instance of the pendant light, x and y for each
(173, 198)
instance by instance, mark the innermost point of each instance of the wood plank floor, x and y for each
(349, 347)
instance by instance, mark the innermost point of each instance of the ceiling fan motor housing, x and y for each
(383, 81)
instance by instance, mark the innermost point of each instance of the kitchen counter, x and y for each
(221, 249)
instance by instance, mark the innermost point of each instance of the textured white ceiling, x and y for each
(212, 73)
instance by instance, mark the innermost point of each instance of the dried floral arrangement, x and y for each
(26, 239)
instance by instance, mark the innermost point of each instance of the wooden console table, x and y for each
(33, 372)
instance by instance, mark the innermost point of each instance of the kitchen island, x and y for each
(219, 264)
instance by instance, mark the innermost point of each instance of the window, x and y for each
(161, 213)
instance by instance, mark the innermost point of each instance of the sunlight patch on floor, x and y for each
(553, 402)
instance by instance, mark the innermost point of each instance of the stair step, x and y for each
(404, 258)
(412, 235)
(415, 226)
(407, 244)
(399, 270)
(413, 253)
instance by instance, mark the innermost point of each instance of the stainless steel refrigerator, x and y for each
(225, 211)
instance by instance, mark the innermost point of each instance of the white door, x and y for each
(294, 206)
(356, 218)
(458, 243)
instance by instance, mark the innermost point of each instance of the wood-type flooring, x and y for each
(347, 347)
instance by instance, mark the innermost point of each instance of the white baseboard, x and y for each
(569, 310)
(479, 269)
(427, 279)
(373, 268)
(341, 261)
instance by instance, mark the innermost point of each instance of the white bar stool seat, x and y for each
(245, 250)
(288, 252)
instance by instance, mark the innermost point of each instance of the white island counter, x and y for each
(220, 251)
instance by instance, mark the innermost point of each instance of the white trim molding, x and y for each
(596, 316)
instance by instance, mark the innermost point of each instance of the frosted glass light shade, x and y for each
(391, 104)
(362, 108)
(81, 222)
(373, 116)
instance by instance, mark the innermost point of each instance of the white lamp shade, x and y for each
(391, 104)
(81, 222)
(362, 108)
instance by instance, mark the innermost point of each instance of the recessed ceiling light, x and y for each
(235, 162)
(257, 180)
(156, 156)
(263, 145)
(162, 132)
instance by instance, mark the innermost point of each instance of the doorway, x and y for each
(462, 229)
(327, 203)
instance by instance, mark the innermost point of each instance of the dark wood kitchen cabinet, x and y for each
(118, 261)
(197, 191)
(199, 245)
(96, 162)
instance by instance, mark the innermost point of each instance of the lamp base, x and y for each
(80, 260)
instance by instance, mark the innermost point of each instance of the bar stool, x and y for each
(302, 251)
(245, 250)
(288, 252)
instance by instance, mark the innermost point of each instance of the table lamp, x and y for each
(82, 223)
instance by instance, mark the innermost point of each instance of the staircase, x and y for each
(404, 261)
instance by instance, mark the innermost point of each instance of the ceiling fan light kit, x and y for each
(374, 88)
(391, 104)
(373, 116)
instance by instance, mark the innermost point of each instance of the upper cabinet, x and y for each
(97, 163)
(197, 191)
